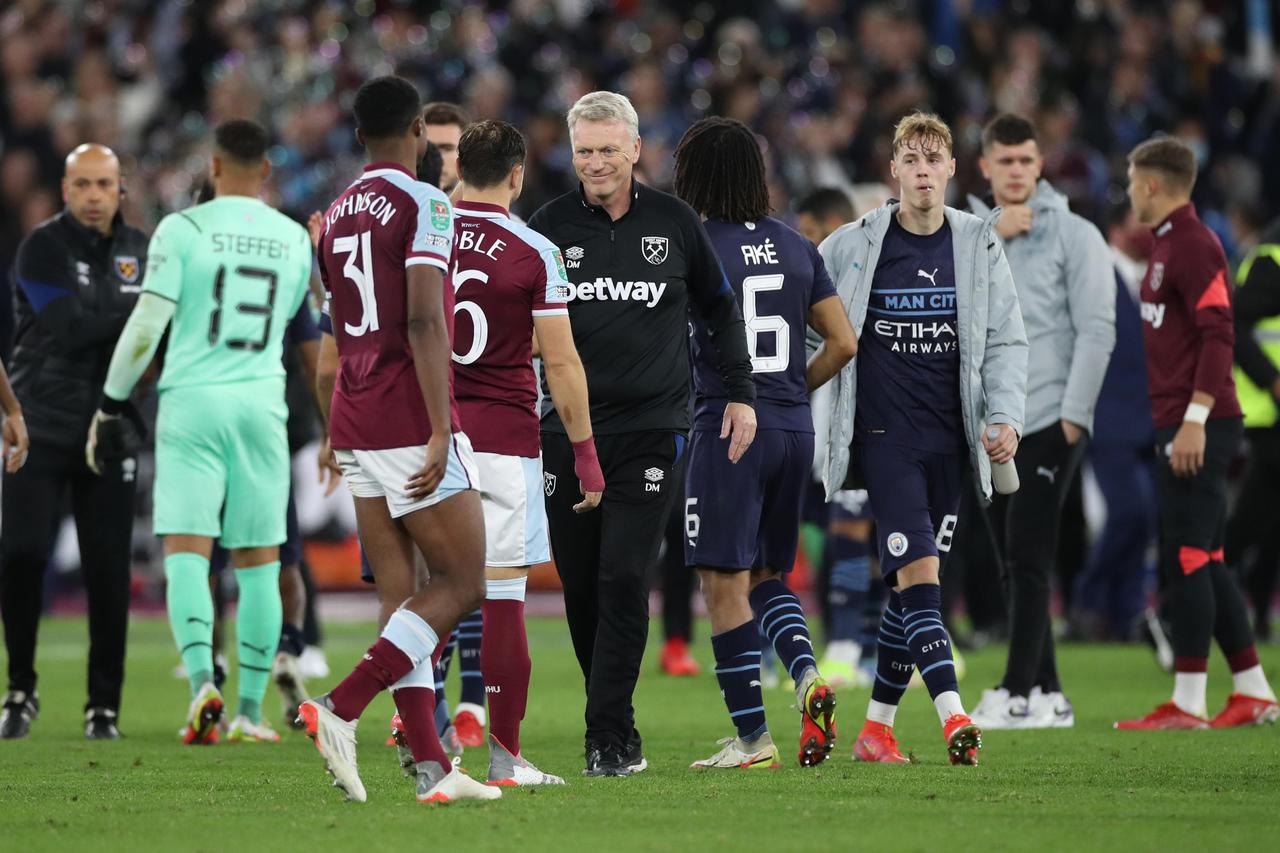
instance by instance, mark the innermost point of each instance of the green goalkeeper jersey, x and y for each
(237, 270)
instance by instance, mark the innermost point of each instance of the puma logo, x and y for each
(928, 275)
(1049, 474)
(754, 683)
(801, 638)
(262, 650)
(203, 622)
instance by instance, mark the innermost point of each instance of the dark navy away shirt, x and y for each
(776, 275)
(908, 357)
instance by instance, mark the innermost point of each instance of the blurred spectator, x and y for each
(821, 81)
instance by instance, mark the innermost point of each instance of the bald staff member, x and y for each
(76, 278)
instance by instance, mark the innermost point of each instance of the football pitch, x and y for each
(1087, 788)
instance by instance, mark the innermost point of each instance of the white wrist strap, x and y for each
(1197, 413)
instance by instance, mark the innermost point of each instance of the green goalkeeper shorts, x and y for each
(222, 463)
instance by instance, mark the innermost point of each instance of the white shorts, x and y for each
(385, 473)
(515, 518)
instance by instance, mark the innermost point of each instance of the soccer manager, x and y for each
(635, 259)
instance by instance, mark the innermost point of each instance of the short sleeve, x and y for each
(167, 254)
(431, 238)
(551, 295)
(822, 284)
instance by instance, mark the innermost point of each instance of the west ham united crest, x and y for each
(654, 248)
(1157, 276)
(127, 268)
(548, 483)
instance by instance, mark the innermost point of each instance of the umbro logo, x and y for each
(573, 257)
(654, 477)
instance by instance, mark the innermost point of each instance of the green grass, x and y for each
(1089, 788)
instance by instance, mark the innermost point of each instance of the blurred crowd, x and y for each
(821, 81)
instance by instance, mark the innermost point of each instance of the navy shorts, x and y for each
(290, 551)
(914, 496)
(746, 516)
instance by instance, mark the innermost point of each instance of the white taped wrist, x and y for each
(1197, 413)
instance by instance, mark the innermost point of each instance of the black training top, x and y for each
(75, 289)
(632, 282)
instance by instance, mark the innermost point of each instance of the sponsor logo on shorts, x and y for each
(548, 483)
(897, 543)
(654, 248)
(654, 477)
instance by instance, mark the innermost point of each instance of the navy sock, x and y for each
(894, 662)
(781, 619)
(927, 638)
(442, 718)
(737, 654)
(291, 641)
(445, 657)
(468, 634)
(850, 583)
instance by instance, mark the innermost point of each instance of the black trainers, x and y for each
(610, 760)
(603, 760)
(631, 760)
(19, 710)
(100, 724)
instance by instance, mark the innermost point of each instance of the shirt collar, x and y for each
(481, 208)
(386, 165)
(84, 231)
(1179, 216)
(582, 196)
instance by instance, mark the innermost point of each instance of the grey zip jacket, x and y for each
(1066, 287)
(991, 340)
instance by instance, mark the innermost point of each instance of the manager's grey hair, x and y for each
(605, 106)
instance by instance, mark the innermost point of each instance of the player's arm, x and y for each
(1202, 285)
(1004, 360)
(567, 382)
(839, 342)
(1091, 301)
(429, 342)
(16, 441)
(714, 300)
(1256, 300)
(45, 278)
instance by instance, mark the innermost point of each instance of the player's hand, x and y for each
(427, 478)
(1071, 432)
(590, 500)
(327, 465)
(1015, 219)
(1003, 447)
(1186, 453)
(739, 425)
(315, 224)
(586, 465)
(16, 443)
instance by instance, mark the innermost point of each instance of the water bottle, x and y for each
(1004, 475)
